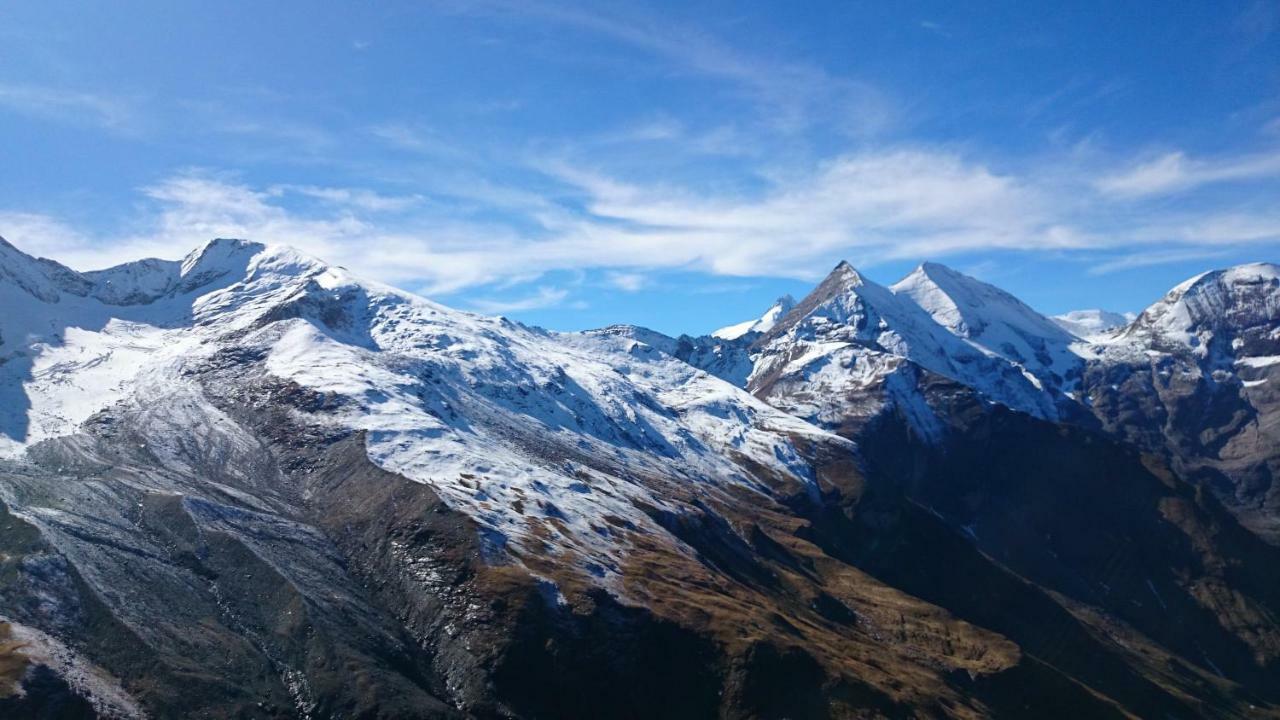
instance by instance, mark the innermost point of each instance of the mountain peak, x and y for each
(764, 323)
(218, 251)
(960, 302)
(991, 320)
(928, 267)
(845, 274)
(1226, 309)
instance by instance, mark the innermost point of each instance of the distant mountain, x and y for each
(854, 345)
(762, 324)
(250, 484)
(1092, 324)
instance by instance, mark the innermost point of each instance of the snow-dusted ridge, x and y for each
(536, 435)
(850, 337)
(1204, 314)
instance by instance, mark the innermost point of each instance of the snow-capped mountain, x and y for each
(535, 418)
(1219, 317)
(1195, 376)
(250, 484)
(762, 324)
(1092, 324)
(993, 321)
(853, 350)
(851, 335)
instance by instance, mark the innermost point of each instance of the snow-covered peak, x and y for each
(762, 324)
(972, 308)
(992, 320)
(1216, 296)
(136, 282)
(844, 298)
(1216, 316)
(1092, 324)
(848, 310)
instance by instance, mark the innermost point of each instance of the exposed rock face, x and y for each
(249, 485)
(1195, 377)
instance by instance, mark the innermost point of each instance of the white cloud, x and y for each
(793, 95)
(871, 207)
(1149, 258)
(1175, 172)
(72, 106)
(354, 197)
(628, 282)
(544, 297)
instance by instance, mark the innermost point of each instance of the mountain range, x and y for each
(250, 484)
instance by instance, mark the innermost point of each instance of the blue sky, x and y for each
(677, 165)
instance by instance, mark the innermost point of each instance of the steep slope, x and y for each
(1194, 378)
(996, 322)
(850, 339)
(1124, 576)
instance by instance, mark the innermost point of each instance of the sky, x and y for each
(672, 164)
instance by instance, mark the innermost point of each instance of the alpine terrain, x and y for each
(248, 484)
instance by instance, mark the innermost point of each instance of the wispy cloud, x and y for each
(1175, 172)
(628, 282)
(796, 94)
(353, 197)
(544, 297)
(71, 106)
(936, 28)
(415, 139)
(1149, 258)
(869, 208)
(42, 235)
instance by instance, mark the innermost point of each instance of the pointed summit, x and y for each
(764, 323)
(991, 320)
(846, 274)
(968, 306)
